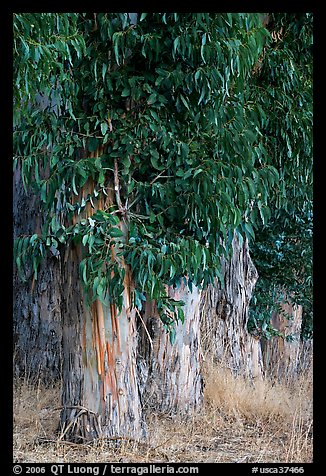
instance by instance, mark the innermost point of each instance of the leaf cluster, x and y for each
(282, 251)
(176, 102)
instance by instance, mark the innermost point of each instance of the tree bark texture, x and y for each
(100, 396)
(170, 374)
(283, 355)
(306, 355)
(224, 315)
(100, 393)
(106, 377)
(36, 304)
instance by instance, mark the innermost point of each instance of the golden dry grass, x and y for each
(239, 422)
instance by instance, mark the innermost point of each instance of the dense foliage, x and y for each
(282, 250)
(283, 256)
(191, 129)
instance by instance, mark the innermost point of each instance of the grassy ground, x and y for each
(239, 423)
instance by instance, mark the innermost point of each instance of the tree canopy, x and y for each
(282, 249)
(201, 123)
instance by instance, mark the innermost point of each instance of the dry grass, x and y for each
(239, 422)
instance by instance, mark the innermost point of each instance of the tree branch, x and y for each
(117, 186)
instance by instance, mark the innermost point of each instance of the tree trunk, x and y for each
(306, 355)
(100, 393)
(224, 315)
(282, 355)
(36, 304)
(170, 375)
(100, 396)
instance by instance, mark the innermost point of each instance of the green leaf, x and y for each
(104, 127)
(115, 40)
(115, 232)
(201, 97)
(91, 222)
(160, 220)
(143, 16)
(198, 171)
(181, 315)
(176, 44)
(172, 270)
(202, 53)
(104, 70)
(34, 238)
(154, 160)
(184, 102)
(249, 230)
(126, 162)
(152, 217)
(154, 115)
(93, 144)
(125, 92)
(188, 174)
(152, 98)
(172, 335)
(236, 217)
(95, 70)
(74, 184)
(43, 192)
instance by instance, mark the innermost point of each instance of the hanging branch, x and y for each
(117, 187)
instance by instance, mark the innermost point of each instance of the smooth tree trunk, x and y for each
(100, 396)
(36, 303)
(224, 316)
(170, 373)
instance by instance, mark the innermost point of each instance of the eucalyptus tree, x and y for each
(143, 144)
(282, 250)
(281, 85)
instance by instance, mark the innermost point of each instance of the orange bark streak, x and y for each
(100, 320)
(101, 331)
(113, 253)
(96, 338)
(110, 381)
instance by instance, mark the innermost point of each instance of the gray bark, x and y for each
(286, 356)
(37, 325)
(224, 316)
(170, 374)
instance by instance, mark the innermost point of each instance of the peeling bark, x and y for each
(101, 382)
(100, 392)
(224, 316)
(36, 304)
(100, 387)
(170, 376)
(283, 356)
